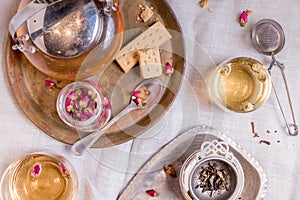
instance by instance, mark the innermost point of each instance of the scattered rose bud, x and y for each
(139, 96)
(36, 171)
(49, 84)
(137, 100)
(249, 12)
(152, 193)
(136, 93)
(169, 69)
(203, 3)
(244, 17)
(169, 169)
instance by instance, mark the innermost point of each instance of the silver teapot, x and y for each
(68, 39)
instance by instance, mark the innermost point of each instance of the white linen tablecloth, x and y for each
(211, 37)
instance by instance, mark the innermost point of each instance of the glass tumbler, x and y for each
(240, 85)
(39, 176)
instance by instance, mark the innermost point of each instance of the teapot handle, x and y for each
(111, 5)
(29, 10)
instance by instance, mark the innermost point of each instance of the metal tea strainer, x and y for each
(268, 38)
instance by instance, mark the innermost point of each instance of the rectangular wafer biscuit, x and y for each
(153, 37)
(150, 63)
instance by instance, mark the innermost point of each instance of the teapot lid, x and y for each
(68, 39)
(67, 28)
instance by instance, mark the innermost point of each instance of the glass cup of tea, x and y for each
(39, 176)
(240, 85)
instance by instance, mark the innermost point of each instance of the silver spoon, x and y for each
(268, 38)
(154, 86)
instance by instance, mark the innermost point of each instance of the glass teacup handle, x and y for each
(21, 17)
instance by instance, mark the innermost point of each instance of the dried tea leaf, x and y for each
(265, 142)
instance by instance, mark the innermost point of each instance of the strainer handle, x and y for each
(292, 128)
(272, 64)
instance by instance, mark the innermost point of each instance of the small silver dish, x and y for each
(211, 153)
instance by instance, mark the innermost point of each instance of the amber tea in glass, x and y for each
(39, 176)
(241, 84)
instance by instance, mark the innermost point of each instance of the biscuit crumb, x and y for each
(146, 14)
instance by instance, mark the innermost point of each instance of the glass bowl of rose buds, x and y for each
(83, 106)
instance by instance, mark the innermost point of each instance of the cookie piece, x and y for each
(146, 14)
(150, 63)
(153, 37)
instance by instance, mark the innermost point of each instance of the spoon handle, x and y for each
(86, 142)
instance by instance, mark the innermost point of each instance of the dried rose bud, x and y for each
(136, 93)
(225, 71)
(257, 67)
(63, 169)
(169, 69)
(247, 106)
(105, 113)
(36, 170)
(244, 17)
(105, 102)
(137, 100)
(203, 3)
(169, 169)
(152, 193)
(84, 101)
(68, 102)
(72, 95)
(49, 84)
(249, 12)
